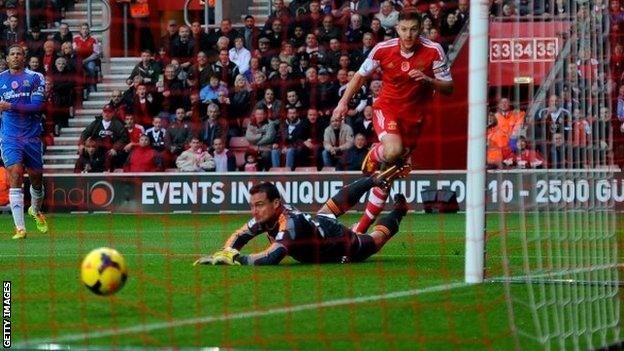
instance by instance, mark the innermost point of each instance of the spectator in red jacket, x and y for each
(143, 158)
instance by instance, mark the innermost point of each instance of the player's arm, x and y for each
(274, 254)
(441, 80)
(241, 237)
(369, 65)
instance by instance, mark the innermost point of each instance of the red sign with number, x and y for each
(518, 51)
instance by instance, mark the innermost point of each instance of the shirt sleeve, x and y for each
(441, 69)
(371, 63)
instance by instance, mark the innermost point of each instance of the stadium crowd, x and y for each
(261, 96)
(571, 126)
(257, 97)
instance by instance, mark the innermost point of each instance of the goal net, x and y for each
(558, 243)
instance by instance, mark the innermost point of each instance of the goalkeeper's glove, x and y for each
(227, 256)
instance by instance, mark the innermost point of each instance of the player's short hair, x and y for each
(409, 15)
(16, 45)
(267, 188)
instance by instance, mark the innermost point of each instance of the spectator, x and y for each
(34, 64)
(182, 47)
(551, 119)
(225, 69)
(73, 62)
(174, 93)
(276, 34)
(226, 30)
(331, 57)
(203, 41)
(90, 159)
(356, 153)
(388, 16)
(143, 158)
(497, 145)
(283, 81)
(117, 103)
(508, 121)
(251, 162)
(147, 69)
(157, 135)
(377, 31)
(179, 133)
(239, 55)
(172, 33)
(211, 127)
(358, 55)
(87, 49)
(355, 31)
(620, 104)
(292, 100)
(314, 143)
(337, 139)
(558, 152)
(462, 13)
(297, 38)
(262, 137)
(272, 106)
(251, 34)
(264, 53)
(326, 93)
(240, 106)
(134, 133)
(200, 72)
(524, 157)
(11, 34)
(195, 159)
(35, 41)
(49, 56)
(294, 131)
(449, 28)
(224, 159)
(110, 136)
(364, 126)
(287, 54)
(62, 88)
(144, 106)
(210, 93)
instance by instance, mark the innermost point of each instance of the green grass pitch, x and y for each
(410, 296)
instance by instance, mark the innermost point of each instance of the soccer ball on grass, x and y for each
(104, 271)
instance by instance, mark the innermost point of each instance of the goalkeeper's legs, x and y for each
(350, 194)
(383, 231)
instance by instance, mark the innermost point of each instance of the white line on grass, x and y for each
(144, 328)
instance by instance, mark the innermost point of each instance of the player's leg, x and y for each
(350, 194)
(384, 230)
(33, 159)
(16, 198)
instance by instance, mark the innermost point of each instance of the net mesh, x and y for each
(560, 256)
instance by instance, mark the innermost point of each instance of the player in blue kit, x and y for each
(21, 104)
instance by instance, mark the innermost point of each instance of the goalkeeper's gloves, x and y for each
(227, 256)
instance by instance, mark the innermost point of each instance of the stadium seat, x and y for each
(239, 146)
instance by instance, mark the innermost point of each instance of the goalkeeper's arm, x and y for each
(240, 238)
(271, 256)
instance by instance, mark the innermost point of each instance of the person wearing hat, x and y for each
(110, 135)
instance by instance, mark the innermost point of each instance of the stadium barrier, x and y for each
(214, 192)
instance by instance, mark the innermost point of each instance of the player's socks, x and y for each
(349, 195)
(35, 209)
(16, 201)
(376, 200)
(373, 159)
(389, 224)
(36, 199)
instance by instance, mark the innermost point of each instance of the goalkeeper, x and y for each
(309, 238)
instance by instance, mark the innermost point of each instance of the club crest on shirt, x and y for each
(26, 83)
(14, 84)
(392, 125)
(391, 65)
(405, 66)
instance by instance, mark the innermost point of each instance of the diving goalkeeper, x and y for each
(318, 238)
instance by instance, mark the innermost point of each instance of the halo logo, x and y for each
(77, 195)
(101, 193)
